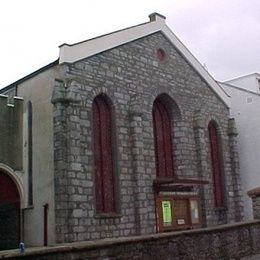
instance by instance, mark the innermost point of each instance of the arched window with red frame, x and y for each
(216, 164)
(103, 155)
(163, 139)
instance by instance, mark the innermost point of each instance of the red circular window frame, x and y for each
(160, 54)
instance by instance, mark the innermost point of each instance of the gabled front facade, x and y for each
(130, 136)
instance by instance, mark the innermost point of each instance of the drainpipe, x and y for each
(45, 224)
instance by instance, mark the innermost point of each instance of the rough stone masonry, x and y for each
(132, 77)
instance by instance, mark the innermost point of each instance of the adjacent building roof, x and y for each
(29, 76)
(224, 84)
(257, 75)
(250, 82)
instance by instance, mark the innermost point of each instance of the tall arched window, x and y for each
(162, 139)
(103, 155)
(216, 164)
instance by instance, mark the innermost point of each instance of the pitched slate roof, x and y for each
(29, 76)
(70, 53)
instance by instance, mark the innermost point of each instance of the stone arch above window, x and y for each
(216, 167)
(163, 116)
(172, 107)
(103, 154)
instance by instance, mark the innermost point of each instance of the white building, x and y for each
(249, 82)
(245, 104)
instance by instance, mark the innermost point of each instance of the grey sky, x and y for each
(223, 34)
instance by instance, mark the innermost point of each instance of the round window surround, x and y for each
(160, 54)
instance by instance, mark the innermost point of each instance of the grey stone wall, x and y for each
(132, 77)
(225, 242)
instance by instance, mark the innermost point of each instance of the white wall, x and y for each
(248, 125)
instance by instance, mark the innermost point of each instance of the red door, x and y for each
(9, 213)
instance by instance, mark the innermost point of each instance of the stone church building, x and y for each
(125, 134)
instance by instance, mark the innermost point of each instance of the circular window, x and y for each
(160, 53)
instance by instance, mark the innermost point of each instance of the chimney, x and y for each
(155, 17)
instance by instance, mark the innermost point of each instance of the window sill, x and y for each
(220, 208)
(108, 215)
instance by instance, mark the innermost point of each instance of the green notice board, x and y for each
(166, 212)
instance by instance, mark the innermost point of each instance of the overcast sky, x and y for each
(224, 35)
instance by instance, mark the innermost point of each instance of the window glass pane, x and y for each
(162, 140)
(194, 208)
(215, 163)
(105, 202)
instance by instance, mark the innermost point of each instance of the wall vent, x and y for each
(249, 100)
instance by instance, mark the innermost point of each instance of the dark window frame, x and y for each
(163, 139)
(104, 164)
(216, 164)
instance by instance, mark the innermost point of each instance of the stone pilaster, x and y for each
(138, 170)
(201, 161)
(66, 145)
(142, 176)
(141, 173)
(235, 170)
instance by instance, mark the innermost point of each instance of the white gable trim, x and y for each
(72, 53)
(75, 52)
(196, 65)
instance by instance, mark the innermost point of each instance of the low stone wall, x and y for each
(232, 241)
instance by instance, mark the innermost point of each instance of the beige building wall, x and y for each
(38, 90)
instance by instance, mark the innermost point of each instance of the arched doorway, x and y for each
(9, 213)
